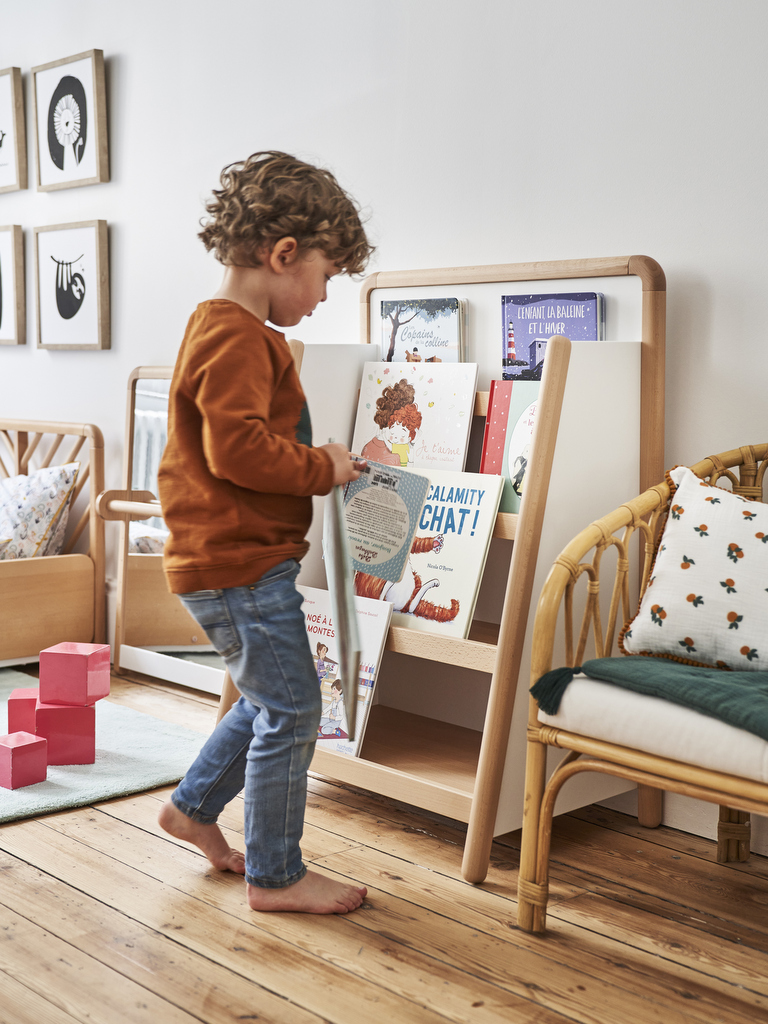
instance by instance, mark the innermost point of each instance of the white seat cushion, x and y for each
(607, 712)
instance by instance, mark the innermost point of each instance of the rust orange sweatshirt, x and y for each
(239, 469)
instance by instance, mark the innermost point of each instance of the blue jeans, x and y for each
(264, 745)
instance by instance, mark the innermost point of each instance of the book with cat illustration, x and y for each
(422, 330)
(508, 436)
(373, 618)
(529, 321)
(415, 414)
(438, 590)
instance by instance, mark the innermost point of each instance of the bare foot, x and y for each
(208, 838)
(314, 894)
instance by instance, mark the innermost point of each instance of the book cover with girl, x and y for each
(415, 415)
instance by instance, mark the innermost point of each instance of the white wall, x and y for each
(499, 131)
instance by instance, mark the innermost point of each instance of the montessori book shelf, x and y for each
(447, 728)
(599, 436)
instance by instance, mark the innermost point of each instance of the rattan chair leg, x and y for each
(733, 835)
(531, 894)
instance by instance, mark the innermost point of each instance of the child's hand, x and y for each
(345, 466)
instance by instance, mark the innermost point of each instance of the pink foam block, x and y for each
(73, 673)
(70, 731)
(23, 760)
(21, 709)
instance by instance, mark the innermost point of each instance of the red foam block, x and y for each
(70, 731)
(23, 760)
(72, 673)
(21, 709)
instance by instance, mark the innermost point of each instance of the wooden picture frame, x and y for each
(70, 122)
(72, 285)
(13, 135)
(13, 320)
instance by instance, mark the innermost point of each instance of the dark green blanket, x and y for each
(738, 698)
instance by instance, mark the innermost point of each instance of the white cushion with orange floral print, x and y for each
(707, 599)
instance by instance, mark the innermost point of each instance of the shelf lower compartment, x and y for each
(411, 758)
(478, 652)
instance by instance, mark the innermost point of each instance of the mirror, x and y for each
(154, 634)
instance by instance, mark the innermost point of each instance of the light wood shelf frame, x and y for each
(477, 759)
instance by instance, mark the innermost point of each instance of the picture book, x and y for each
(415, 414)
(438, 591)
(342, 596)
(508, 435)
(422, 330)
(373, 619)
(528, 321)
(381, 512)
(330, 378)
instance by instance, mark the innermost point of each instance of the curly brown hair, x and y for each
(393, 397)
(272, 195)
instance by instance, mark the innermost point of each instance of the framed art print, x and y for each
(71, 122)
(13, 325)
(13, 138)
(72, 285)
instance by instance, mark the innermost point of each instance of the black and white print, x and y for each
(13, 147)
(70, 128)
(72, 294)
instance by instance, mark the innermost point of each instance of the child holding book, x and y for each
(236, 484)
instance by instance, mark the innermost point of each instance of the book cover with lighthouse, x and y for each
(529, 321)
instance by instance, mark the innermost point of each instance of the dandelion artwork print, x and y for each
(72, 280)
(71, 122)
(67, 121)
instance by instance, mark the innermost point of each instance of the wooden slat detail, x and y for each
(11, 451)
(506, 525)
(473, 654)
(75, 450)
(54, 447)
(549, 270)
(481, 403)
(28, 452)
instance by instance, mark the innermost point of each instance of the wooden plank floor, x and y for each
(103, 918)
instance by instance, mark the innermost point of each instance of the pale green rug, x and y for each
(134, 752)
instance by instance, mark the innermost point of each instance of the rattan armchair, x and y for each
(586, 599)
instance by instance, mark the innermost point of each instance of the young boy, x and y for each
(235, 482)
